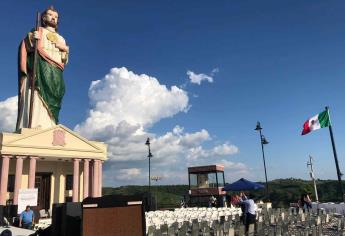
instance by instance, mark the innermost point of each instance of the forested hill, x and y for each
(282, 192)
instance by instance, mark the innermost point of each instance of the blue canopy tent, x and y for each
(242, 185)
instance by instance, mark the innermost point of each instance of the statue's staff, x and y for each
(33, 77)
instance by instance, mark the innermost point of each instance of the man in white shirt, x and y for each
(249, 214)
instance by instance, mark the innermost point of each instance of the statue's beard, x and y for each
(51, 23)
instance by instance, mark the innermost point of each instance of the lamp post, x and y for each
(263, 141)
(149, 156)
(156, 178)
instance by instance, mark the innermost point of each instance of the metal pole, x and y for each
(217, 182)
(149, 170)
(310, 163)
(156, 197)
(223, 178)
(263, 157)
(149, 156)
(156, 178)
(336, 158)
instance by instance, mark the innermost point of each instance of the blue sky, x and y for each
(279, 62)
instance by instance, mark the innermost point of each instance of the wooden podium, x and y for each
(113, 215)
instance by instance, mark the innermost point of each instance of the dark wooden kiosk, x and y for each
(205, 182)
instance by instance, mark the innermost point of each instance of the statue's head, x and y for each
(50, 17)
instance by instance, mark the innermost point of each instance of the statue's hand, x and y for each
(62, 46)
(37, 35)
(22, 86)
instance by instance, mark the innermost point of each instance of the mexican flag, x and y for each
(318, 121)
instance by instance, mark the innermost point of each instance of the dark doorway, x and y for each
(42, 183)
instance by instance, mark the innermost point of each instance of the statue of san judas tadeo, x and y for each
(42, 56)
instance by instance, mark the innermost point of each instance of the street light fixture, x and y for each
(149, 156)
(156, 178)
(263, 141)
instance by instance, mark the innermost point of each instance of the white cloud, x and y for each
(124, 105)
(225, 149)
(8, 114)
(139, 100)
(171, 156)
(198, 78)
(128, 174)
(232, 166)
(214, 71)
(194, 139)
(218, 151)
(238, 170)
(178, 130)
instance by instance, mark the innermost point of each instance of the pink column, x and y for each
(18, 178)
(4, 179)
(95, 169)
(75, 193)
(86, 177)
(90, 177)
(32, 172)
(100, 176)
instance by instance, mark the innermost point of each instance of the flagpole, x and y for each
(335, 157)
(310, 163)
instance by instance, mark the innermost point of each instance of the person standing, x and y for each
(26, 218)
(52, 55)
(307, 202)
(249, 210)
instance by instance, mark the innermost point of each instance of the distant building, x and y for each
(205, 182)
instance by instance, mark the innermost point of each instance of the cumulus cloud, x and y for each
(172, 153)
(128, 174)
(198, 78)
(238, 168)
(171, 157)
(123, 108)
(139, 100)
(193, 139)
(225, 149)
(8, 111)
(218, 151)
(188, 146)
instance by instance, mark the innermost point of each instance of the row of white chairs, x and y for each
(180, 215)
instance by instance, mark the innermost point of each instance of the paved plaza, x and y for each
(17, 231)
